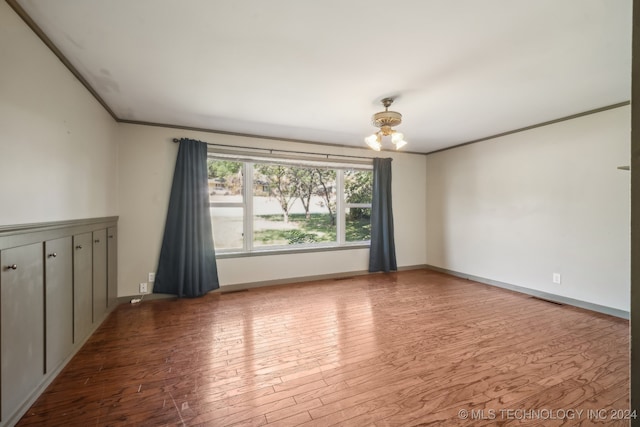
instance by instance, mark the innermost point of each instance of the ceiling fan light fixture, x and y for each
(386, 120)
(373, 141)
(396, 137)
(400, 144)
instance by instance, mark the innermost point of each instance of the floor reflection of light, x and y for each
(319, 336)
(344, 328)
(356, 326)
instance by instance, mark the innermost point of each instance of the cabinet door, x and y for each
(112, 267)
(58, 263)
(82, 286)
(22, 324)
(99, 275)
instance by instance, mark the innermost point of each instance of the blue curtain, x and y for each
(187, 265)
(382, 255)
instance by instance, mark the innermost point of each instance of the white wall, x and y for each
(518, 208)
(57, 144)
(146, 163)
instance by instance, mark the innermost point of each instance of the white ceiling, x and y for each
(316, 70)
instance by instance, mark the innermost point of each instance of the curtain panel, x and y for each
(382, 255)
(187, 265)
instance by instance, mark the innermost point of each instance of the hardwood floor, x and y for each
(406, 349)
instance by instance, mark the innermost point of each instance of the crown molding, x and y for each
(57, 52)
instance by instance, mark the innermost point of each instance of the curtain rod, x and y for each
(272, 150)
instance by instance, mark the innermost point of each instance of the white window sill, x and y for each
(288, 250)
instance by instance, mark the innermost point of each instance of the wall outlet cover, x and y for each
(143, 288)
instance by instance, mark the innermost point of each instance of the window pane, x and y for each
(357, 224)
(293, 205)
(225, 181)
(357, 186)
(227, 227)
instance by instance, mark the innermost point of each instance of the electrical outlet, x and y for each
(557, 278)
(152, 277)
(143, 288)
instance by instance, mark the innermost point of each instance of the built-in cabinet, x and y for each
(82, 286)
(22, 324)
(112, 267)
(99, 274)
(58, 259)
(58, 282)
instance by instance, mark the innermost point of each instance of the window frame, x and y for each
(247, 165)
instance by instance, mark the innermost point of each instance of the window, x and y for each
(226, 198)
(358, 195)
(265, 204)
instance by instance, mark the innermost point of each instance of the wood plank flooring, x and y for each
(405, 349)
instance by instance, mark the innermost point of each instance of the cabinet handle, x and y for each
(53, 255)
(111, 237)
(96, 241)
(12, 267)
(79, 247)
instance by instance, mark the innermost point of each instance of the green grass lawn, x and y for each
(316, 229)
